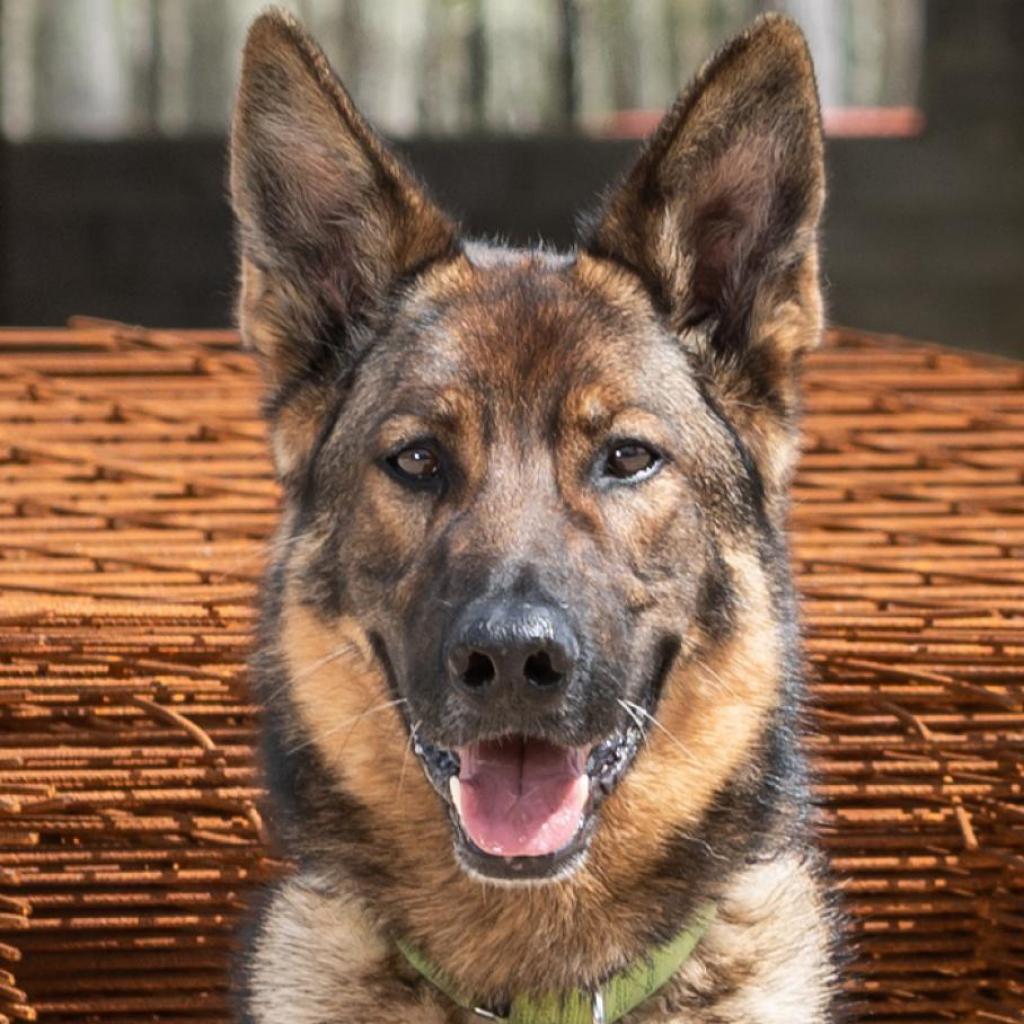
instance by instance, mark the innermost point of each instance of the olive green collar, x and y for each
(622, 992)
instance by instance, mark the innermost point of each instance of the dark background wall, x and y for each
(923, 236)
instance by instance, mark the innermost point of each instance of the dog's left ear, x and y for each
(719, 218)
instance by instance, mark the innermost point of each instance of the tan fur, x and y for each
(338, 967)
(771, 938)
(709, 717)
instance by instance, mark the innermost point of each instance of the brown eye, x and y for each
(416, 463)
(629, 459)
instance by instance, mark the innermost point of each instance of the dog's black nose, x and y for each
(512, 650)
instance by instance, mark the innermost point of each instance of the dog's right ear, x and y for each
(329, 221)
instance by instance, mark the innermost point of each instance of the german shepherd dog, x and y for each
(529, 652)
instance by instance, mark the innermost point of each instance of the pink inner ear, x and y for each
(722, 241)
(733, 199)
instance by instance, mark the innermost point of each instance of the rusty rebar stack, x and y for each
(135, 499)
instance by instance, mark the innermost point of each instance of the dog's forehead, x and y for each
(511, 319)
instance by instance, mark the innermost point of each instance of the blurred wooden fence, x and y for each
(114, 68)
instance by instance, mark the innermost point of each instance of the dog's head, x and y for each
(533, 502)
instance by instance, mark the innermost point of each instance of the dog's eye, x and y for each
(629, 459)
(417, 463)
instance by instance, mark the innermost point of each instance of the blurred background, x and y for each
(517, 113)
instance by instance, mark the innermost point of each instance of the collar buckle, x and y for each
(483, 1014)
(597, 1015)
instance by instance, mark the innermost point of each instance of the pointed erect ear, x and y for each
(328, 220)
(719, 216)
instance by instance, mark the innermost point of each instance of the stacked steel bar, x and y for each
(135, 497)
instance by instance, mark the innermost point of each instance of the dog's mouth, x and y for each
(524, 807)
(520, 797)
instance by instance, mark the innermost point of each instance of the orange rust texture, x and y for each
(135, 500)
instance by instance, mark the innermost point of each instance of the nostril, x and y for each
(540, 672)
(479, 671)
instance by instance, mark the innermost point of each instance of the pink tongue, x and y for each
(520, 797)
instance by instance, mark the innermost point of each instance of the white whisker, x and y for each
(722, 684)
(353, 721)
(343, 649)
(347, 647)
(637, 721)
(405, 757)
(638, 709)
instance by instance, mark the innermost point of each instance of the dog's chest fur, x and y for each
(766, 959)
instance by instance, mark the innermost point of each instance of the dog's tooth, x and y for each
(455, 788)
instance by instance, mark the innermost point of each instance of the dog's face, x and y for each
(530, 499)
(504, 497)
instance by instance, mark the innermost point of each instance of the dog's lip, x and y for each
(608, 760)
